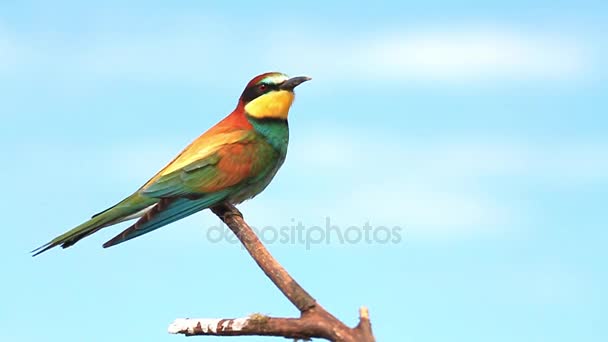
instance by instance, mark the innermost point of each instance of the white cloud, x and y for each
(205, 52)
(455, 54)
(476, 55)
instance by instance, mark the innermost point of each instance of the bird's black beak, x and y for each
(294, 82)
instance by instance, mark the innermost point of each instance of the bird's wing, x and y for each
(197, 172)
(195, 186)
(201, 149)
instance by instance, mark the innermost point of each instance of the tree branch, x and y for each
(233, 218)
(314, 320)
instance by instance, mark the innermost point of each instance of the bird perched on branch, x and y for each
(231, 162)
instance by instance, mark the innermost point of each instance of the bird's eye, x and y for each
(262, 87)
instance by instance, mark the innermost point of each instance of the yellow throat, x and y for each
(273, 105)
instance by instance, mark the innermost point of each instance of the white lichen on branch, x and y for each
(206, 325)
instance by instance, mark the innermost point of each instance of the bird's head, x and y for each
(269, 95)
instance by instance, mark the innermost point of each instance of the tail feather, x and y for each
(71, 237)
(127, 209)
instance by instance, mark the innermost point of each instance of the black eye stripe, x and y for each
(257, 90)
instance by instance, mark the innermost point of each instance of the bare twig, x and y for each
(314, 320)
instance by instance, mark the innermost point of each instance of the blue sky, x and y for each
(479, 128)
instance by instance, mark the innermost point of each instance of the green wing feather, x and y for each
(184, 181)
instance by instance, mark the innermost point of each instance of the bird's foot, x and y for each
(232, 211)
(226, 211)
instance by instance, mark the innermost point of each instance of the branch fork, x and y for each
(314, 320)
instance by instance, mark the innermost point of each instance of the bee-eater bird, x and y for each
(231, 162)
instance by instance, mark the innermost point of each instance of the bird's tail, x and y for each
(132, 207)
